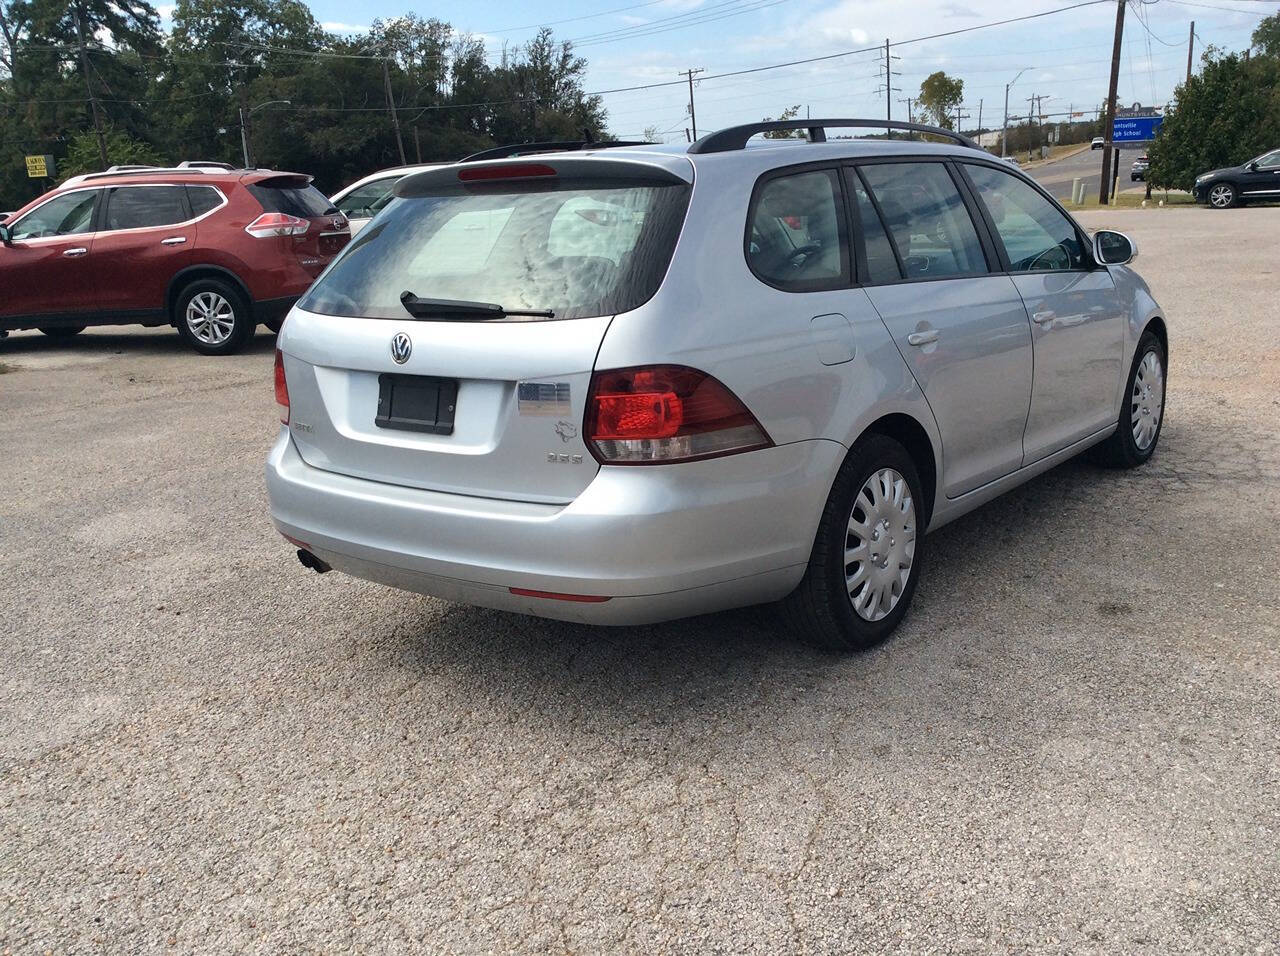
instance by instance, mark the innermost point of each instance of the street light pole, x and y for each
(1004, 136)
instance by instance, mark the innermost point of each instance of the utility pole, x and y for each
(1004, 135)
(693, 117)
(979, 118)
(88, 88)
(1109, 120)
(391, 105)
(1034, 139)
(911, 113)
(244, 137)
(1191, 43)
(888, 83)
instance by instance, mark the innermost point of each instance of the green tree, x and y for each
(1224, 115)
(1266, 38)
(122, 149)
(939, 96)
(789, 113)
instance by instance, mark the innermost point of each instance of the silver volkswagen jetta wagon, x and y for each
(625, 385)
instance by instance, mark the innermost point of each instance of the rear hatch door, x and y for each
(472, 401)
(293, 195)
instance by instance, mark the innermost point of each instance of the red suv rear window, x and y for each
(292, 198)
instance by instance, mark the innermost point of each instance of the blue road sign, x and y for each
(1136, 130)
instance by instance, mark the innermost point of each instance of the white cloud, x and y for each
(334, 26)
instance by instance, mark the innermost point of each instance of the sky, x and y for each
(627, 43)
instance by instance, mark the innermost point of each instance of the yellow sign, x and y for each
(40, 167)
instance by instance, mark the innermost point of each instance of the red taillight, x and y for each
(277, 224)
(282, 389)
(666, 413)
(474, 174)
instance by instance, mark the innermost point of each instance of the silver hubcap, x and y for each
(880, 545)
(1220, 196)
(1147, 401)
(210, 318)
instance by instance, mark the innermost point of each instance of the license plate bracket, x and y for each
(416, 403)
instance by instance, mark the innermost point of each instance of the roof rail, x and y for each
(735, 137)
(204, 164)
(528, 149)
(113, 171)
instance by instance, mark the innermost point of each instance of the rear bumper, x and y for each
(271, 310)
(660, 542)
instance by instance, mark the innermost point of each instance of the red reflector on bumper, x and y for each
(295, 542)
(553, 596)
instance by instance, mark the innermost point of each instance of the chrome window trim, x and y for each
(103, 187)
(45, 240)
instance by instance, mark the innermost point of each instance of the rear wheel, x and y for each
(213, 317)
(868, 552)
(1142, 414)
(1222, 196)
(63, 332)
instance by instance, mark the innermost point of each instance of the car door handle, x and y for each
(77, 251)
(1043, 318)
(173, 241)
(923, 338)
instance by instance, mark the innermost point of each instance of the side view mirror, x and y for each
(1113, 248)
(1252, 167)
(6, 235)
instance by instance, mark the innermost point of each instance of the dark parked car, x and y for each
(208, 249)
(1139, 169)
(1259, 178)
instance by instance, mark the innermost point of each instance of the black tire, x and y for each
(1121, 450)
(1227, 189)
(820, 610)
(63, 332)
(241, 317)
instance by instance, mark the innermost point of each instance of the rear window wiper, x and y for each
(459, 309)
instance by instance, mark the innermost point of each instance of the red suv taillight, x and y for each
(277, 224)
(666, 413)
(282, 389)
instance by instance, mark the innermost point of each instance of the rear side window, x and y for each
(203, 199)
(882, 264)
(926, 219)
(576, 249)
(138, 207)
(305, 202)
(1035, 234)
(795, 232)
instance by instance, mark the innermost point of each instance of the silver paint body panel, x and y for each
(466, 517)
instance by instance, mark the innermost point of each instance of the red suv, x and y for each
(203, 247)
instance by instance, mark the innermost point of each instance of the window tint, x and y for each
(797, 239)
(203, 199)
(1270, 160)
(66, 215)
(305, 202)
(1035, 234)
(882, 266)
(575, 249)
(362, 203)
(926, 218)
(135, 207)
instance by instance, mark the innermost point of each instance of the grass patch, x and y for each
(1131, 200)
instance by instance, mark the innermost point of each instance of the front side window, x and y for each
(926, 219)
(67, 215)
(1270, 161)
(574, 249)
(796, 236)
(1036, 235)
(140, 207)
(363, 201)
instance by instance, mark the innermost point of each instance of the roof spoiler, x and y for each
(735, 137)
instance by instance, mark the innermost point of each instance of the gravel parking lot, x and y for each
(1070, 745)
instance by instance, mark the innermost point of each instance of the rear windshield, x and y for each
(305, 202)
(576, 249)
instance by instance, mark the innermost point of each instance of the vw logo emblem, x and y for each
(401, 348)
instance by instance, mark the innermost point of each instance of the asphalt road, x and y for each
(1070, 746)
(1058, 176)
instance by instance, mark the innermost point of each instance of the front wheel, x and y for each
(213, 317)
(1142, 414)
(1222, 196)
(868, 552)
